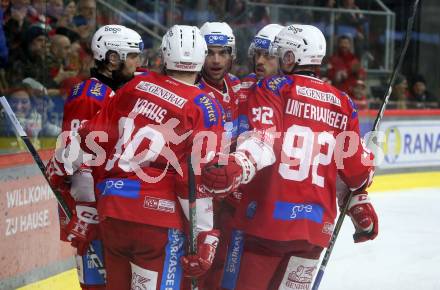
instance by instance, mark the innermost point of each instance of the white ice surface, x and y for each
(405, 255)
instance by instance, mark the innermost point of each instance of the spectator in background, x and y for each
(31, 62)
(419, 93)
(359, 95)
(3, 46)
(85, 21)
(44, 106)
(4, 53)
(66, 18)
(344, 68)
(28, 117)
(55, 10)
(16, 23)
(357, 21)
(58, 61)
(399, 93)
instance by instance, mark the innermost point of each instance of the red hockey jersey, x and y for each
(84, 101)
(152, 124)
(248, 85)
(293, 196)
(228, 99)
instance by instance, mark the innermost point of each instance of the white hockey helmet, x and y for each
(264, 38)
(183, 48)
(116, 38)
(306, 42)
(219, 34)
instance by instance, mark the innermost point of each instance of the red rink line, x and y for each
(401, 113)
(23, 158)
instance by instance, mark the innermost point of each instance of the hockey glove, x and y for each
(198, 264)
(364, 218)
(83, 227)
(221, 180)
(57, 176)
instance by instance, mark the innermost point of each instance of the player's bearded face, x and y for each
(132, 62)
(217, 63)
(265, 65)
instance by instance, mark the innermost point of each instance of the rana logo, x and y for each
(393, 144)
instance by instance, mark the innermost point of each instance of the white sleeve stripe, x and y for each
(204, 213)
(261, 152)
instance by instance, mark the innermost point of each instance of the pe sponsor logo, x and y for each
(261, 43)
(159, 204)
(120, 187)
(288, 211)
(393, 144)
(216, 39)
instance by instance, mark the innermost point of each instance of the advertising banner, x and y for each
(411, 144)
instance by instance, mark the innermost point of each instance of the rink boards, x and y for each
(382, 185)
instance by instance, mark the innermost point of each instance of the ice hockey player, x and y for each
(215, 78)
(264, 65)
(116, 50)
(152, 123)
(217, 81)
(305, 134)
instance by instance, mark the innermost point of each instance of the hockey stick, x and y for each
(192, 215)
(379, 116)
(19, 130)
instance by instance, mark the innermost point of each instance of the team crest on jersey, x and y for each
(77, 90)
(96, 90)
(276, 83)
(226, 98)
(209, 109)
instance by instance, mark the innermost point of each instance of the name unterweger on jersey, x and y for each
(317, 113)
(154, 112)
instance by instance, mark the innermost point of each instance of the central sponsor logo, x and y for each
(318, 95)
(161, 93)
